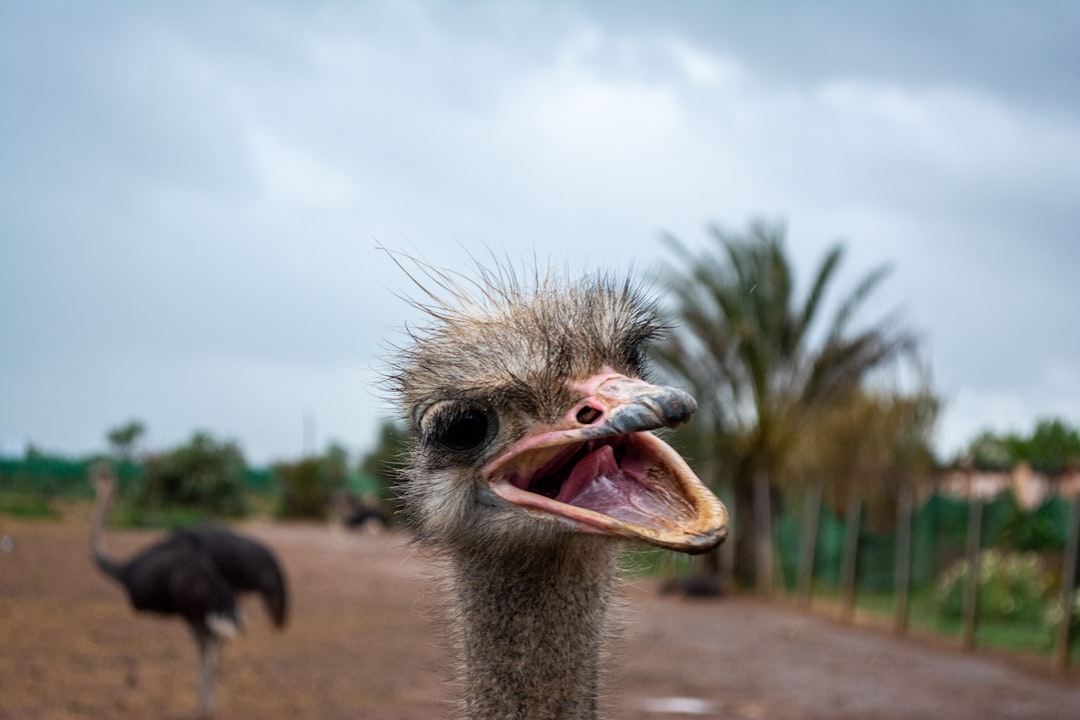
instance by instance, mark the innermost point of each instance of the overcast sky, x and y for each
(192, 195)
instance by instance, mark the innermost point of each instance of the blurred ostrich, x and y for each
(348, 511)
(531, 456)
(195, 573)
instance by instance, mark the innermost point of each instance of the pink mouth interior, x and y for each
(609, 476)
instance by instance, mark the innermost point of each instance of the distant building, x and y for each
(1030, 488)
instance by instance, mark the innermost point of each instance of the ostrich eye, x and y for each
(463, 430)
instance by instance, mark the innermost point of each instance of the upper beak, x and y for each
(628, 405)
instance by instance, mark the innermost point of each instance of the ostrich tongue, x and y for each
(600, 483)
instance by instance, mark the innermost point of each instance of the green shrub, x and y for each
(301, 494)
(1013, 587)
(1040, 530)
(205, 476)
(26, 505)
(130, 515)
(1054, 615)
(308, 484)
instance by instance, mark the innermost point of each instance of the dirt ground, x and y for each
(363, 642)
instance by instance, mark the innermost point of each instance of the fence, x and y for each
(818, 549)
(56, 477)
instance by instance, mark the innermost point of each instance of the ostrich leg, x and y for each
(209, 649)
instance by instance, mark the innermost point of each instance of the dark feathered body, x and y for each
(197, 573)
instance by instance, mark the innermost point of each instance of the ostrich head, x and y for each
(531, 418)
(103, 479)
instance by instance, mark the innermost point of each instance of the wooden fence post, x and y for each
(763, 545)
(808, 543)
(902, 580)
(851, 556)
(1068, 589)
(971, 584)
(728, 548)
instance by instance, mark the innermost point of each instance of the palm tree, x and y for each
(750, 348)
(123, 438)
(873, 444)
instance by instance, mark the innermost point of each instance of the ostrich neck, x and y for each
(531, 628)
(97, 530)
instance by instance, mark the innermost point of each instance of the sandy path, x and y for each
(363, 643)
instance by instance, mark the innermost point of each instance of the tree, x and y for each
(990, 452)
(751, 349)
(309, 484)
(382, 461)
(205, 476)
(123, 438)
(872, 444)
(1053, 448)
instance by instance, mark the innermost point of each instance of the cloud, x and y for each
(290, 175)
(188, 192)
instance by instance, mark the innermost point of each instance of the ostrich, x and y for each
(195, 573)
(531, 457)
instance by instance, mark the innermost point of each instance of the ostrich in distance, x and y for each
(531, 458)
(197, 574)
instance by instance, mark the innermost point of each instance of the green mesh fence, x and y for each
(54, 477)
(939, 531)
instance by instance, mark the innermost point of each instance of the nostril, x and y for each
(588, 415)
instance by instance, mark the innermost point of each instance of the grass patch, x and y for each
(924, 617)
(27, 505)
(168, 518)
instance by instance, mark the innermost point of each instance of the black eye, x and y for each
(463, 430)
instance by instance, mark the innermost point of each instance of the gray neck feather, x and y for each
(531, 628)
(97, 528)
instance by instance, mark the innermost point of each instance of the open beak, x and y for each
(600, 470)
